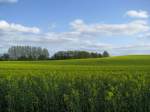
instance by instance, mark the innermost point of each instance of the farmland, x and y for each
(115, 84)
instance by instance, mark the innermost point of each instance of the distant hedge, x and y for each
(78, 55)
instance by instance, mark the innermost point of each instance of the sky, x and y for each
(121, 27)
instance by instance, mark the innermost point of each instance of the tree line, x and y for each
(38, 53)
(78, 55)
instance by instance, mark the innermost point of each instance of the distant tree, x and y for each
(38, 53)
(100, 55)
(45, 53)
(96, 55)
(105, 54)
(5, 56)
(28, 53)
(23, 58)
(42, 57)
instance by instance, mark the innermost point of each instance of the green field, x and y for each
(115, 84)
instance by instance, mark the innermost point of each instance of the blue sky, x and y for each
(119, 26)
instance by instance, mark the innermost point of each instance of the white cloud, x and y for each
(8, 1)
(137, 14)
(131, 28)
(5, 26)
(83, 36)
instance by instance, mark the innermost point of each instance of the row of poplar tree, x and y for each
(26, 53)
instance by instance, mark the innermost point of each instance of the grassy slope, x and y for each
(120, 60)
(132, 63)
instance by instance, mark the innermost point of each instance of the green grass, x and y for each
(115, 84)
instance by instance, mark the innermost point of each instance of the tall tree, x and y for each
(28, 52)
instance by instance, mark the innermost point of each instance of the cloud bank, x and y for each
(81, 36)
(131, 28)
